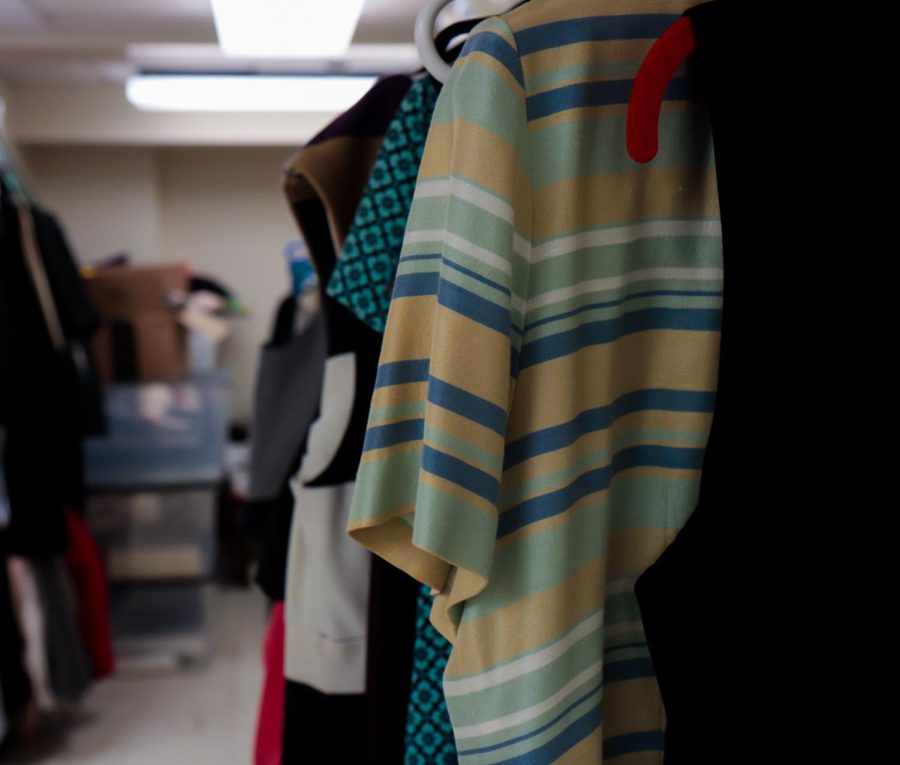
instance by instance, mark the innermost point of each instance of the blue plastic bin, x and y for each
(161, 434)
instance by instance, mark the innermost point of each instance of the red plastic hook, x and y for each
(667, 54)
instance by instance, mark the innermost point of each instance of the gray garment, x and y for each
(70, 666)
(30, 614)
(286, 401)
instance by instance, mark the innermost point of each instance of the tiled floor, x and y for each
(205, 715)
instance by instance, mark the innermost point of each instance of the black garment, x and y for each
(319, 727)
(687, 597)
(389, 660)
(719, 610)
(273, 562)
(46, 403)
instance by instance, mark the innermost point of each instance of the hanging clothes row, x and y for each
(54, 628)
(403, 708)
(538, 407)
(327, 588)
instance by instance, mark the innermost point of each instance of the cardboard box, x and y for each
(140, 338)
(149, 347)
(124, 291)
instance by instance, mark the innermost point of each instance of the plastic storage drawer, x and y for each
(161, 433)
(155, 535)
(160, 610)
(161, 626)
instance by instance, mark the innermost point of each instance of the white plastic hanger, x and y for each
(424, 37)
(424, 29)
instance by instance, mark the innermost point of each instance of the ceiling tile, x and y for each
(50, 40)
(104, 12)
(16, 14)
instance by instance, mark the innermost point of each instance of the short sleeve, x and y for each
(429, 481)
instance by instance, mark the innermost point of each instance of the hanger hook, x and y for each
(424, 36)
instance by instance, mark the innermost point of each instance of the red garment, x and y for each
(86, 569)
(270, 725)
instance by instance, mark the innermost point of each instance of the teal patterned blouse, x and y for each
(364, 276)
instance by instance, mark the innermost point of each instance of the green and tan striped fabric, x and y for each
(547, 380)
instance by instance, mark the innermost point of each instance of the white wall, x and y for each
(107, 197)
(223, 211)
(220, 209)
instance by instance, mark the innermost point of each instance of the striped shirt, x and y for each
(547, 380)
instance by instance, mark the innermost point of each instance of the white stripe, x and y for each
(522, 247)
(529, 713)
(524, 664)
(622, 280)
(465, 191)
(625, 234)
(468, 192)
(463, 245)
(431, 189)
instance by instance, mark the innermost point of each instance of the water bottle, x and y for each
(305, 284)
(309, 301)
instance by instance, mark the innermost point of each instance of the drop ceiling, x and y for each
(93, 41)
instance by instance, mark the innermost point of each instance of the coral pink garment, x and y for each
(270, 725)
(86, 570)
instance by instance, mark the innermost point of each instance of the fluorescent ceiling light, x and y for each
(245, 93)
(208, 58)
(286, 28)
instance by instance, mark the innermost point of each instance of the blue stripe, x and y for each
(631, 669)
(457, 298)
(590, 94)
(621, 301)
(406, 258)
(556, 502)
(402, 372)
(382, 436)
(610, 330)
(497, 48)
(461, 473)
(474, 307)
(536, 732)
(477, 276)
(594, 28)
(645, 741)
(467, 405)
(563, 435)
(416, 285)
(556, 747)
(623, 647)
